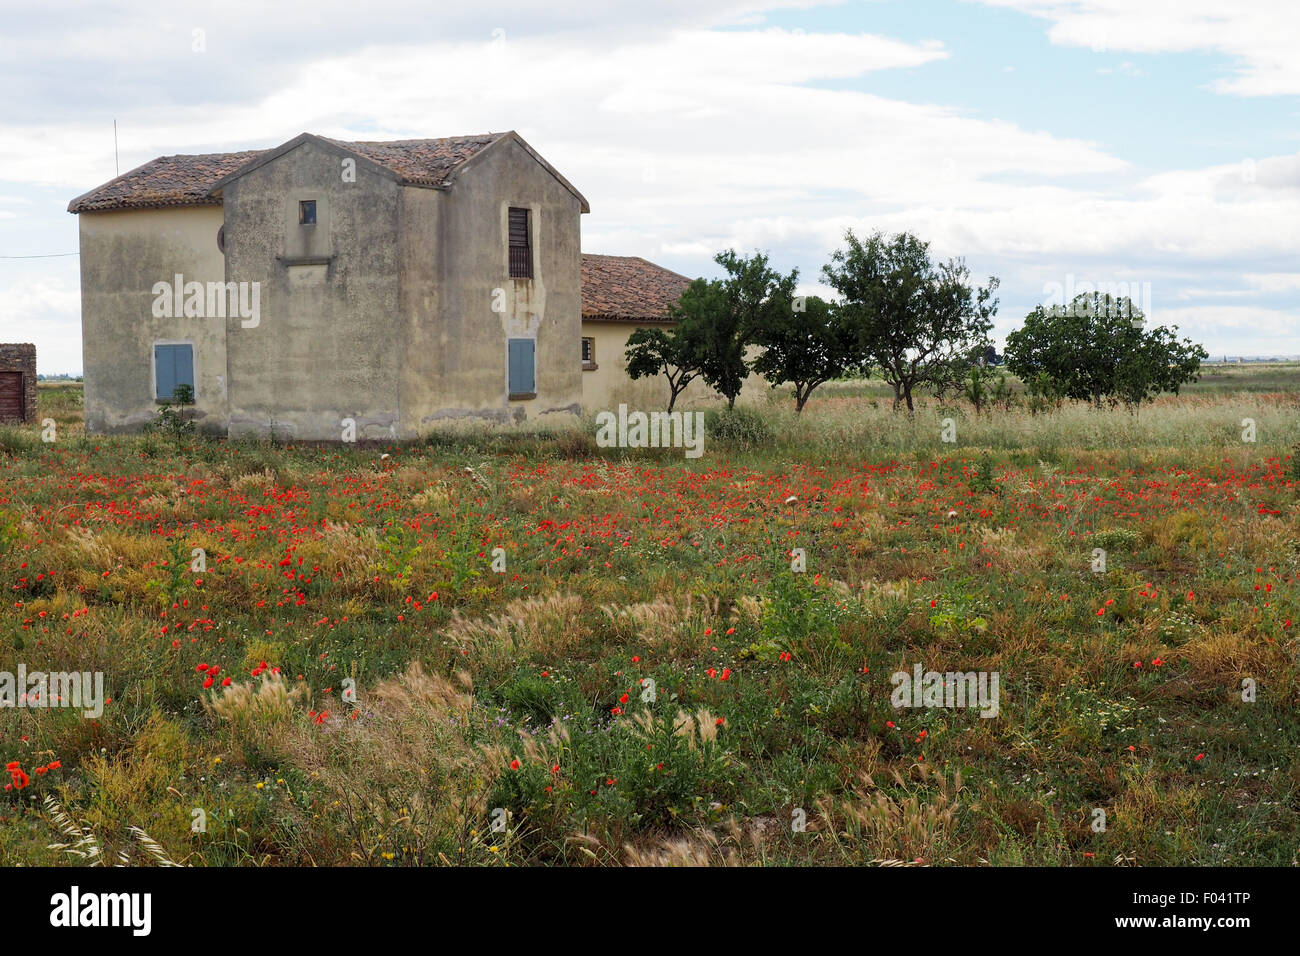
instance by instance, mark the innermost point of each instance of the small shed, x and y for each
(17, 383)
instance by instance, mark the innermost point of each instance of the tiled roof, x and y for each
(165, 181)
(628, 289)
(423, 162)
(188, 180)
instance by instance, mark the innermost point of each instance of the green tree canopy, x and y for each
(919, 322)
(751, 290)
(806, 342)
(1096, 349)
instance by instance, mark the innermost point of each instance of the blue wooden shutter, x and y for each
(521, 367)
(173, 365)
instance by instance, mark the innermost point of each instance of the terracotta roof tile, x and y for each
(421, 161)
(187, 180)
(628, 289)
(165, 181)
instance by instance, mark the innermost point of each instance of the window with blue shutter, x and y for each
(522, 367)
(173, 365)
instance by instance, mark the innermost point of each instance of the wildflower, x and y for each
(514, 764)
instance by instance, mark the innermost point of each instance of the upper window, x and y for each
(588, 353)
(307, 212)
(521, 252)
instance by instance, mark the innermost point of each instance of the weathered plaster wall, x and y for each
(328, 346)
(455, 257)
(123, 254)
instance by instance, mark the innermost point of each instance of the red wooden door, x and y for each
(11, 396)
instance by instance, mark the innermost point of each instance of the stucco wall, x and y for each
(328, 345)
(455, 366)
(123, 254)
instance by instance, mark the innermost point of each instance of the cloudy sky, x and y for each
(1052, 143)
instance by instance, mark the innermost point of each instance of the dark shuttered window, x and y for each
(173, 365)
(521, 253)
(522, 368)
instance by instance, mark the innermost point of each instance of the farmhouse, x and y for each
(381, 287)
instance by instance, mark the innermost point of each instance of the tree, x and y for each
(920, 322)
(1096, 350)
(672, 352)
(805, 342)
(984, 386)
(750, 292)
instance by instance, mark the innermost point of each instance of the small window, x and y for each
(173, 365)
(588, 353)
(522, 368)
(521, 253)
(307, 212)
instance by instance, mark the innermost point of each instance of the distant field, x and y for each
(1215, 377)
(524, 699)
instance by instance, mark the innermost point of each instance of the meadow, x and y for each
(511, 647)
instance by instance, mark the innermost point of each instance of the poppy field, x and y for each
(513, 647)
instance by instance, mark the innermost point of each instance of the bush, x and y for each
(738, 426)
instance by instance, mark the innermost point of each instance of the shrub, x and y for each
(738, 426)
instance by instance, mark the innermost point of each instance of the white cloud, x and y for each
(1260, 35)
(48, 313)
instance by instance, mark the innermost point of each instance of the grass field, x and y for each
(350, 680)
